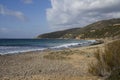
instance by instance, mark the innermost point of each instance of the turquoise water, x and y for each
(9, 46)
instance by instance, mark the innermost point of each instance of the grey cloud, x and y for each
(75, 13)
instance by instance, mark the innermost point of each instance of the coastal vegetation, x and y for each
(108, 62)
(59, 55)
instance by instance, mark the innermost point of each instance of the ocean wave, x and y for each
(18, 49)
(87, 43)
(26, 50)
(13, 50)
(92, 41)
(66, 45)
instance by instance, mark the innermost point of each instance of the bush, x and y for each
(108, 62)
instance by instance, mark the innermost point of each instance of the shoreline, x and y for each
(47, 50)
(23, 49)
(78, 45)
(67, 64)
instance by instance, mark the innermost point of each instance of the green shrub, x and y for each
(108, 61)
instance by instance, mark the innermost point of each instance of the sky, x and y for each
(29, 18)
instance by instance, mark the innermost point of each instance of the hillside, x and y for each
(101, 29)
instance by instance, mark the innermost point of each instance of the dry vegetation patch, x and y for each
(108, 62)
(59, 55)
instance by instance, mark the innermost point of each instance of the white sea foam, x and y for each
(86, 43)
(72, 45)
(14, 49)
(92, 41)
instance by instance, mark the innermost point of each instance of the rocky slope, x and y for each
(101, 29)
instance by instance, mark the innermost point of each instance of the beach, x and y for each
(68, 64)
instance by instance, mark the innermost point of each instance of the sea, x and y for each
(12, 46)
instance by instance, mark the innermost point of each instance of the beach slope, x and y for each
(68, 64)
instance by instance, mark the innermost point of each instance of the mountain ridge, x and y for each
(100, 29)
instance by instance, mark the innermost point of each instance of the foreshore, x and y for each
(68, 64)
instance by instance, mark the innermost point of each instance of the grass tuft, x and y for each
(108, 62)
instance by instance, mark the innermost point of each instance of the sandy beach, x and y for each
(68, 64)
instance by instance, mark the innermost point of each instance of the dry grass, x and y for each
(59, 55)
(68, 64)
(108, 61)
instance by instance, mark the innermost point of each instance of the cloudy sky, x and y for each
(28, 18)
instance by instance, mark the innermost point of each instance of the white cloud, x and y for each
(17, 14)
(27, 1)
(75, 13)
(3, 30)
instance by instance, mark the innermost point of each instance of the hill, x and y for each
(101, 29)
